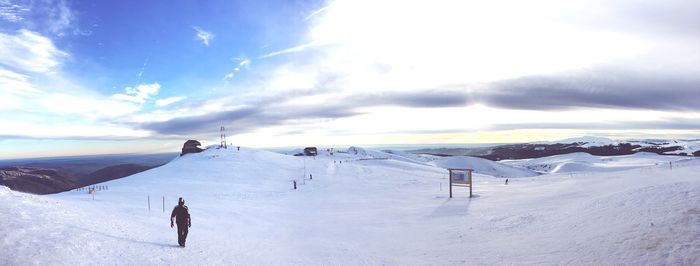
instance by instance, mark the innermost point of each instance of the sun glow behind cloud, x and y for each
(370, 50)
(470, 124)
(447, 42)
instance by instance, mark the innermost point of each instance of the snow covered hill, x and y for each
(363, 211)
(664, 146)
(592, 145)
(584, 162)
(588, 141)
(484, 166)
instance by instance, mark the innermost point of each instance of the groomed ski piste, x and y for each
(374, 208)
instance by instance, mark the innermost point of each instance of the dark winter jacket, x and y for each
(181, 215)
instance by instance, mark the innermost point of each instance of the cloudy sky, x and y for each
(90, 77)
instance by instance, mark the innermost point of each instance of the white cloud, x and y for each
(61, 19)
(73, 130)
(468, 43)
(87, 106)
(203, 35)
(11, 12)
(243, 64)
(422, 45)
(138, 94)
(455, 42)
(43, 111)
(15, 83)
(143, 68)
(290, 50)
(170, 100)
(39, 100)
(431, 46)
(33, 84)
(316, 12)
(29, 51)
(46, 16)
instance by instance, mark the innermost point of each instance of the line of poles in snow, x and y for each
(148, 199)
(294, 182)
(93, 188)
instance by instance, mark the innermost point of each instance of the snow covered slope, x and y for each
(357, 153)
(584, 162)
(483, 166)
(590, 141)
(412, 157)
(360, 212)
(683, 146)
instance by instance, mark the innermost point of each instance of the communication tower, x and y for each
(223, 137)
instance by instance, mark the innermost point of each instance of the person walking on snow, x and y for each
(182, 217)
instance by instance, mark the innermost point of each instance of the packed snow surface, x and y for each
(364, 209)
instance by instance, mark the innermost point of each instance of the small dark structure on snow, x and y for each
(310, 151)
(461, 177)
(190, 146)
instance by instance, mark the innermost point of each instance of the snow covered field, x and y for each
(584, 162)
(374, 208)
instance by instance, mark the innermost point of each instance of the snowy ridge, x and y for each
(685, 146)
(484, 166)
(588, 140)
(418, 158)
(354, 153)
(584, 162)
(364, 212)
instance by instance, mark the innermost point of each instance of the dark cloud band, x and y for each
(600, 88)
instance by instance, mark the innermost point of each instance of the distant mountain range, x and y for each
(37, 180)
(594, 146)
(53, 175)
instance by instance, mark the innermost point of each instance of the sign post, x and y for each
(460, 177)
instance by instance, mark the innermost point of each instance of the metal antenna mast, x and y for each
(223, 137)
